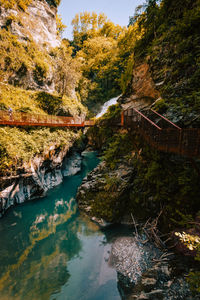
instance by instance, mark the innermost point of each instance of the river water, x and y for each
(48, 250)
(106, 105)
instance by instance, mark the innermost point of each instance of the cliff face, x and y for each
(143, 90)
(30, 53)
(27, 38)
(37, 23)
(40, 174)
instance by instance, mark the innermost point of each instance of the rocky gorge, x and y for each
(152, 193)
(39, 175)
(115, 192)
(145, 270)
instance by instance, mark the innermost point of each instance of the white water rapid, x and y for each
(106, 105)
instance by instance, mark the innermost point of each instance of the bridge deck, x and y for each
(158, 131)
(25, 119)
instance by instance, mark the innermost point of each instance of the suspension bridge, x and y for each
(157, 131)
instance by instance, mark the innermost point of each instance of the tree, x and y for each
(68, 70)
(60, 26)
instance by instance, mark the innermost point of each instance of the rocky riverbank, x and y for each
(144, 271)
(103, 194)
(41, 174)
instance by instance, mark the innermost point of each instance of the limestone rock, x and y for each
(40, 175)
(38, 22)
(142, 83)
(93, 185)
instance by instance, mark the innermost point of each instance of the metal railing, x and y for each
(173, 139)
(27, 119)
(163, 135)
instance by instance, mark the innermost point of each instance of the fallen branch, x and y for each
(134, 225)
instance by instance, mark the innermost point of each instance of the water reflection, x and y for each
(49, 251)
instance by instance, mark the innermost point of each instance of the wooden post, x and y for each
(122, 118)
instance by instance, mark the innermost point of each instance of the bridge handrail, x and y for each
(21, 118)
(143, 116)
(170, 122)
(172, 140)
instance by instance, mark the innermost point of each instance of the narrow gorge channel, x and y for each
(50, 251)
(58, 253)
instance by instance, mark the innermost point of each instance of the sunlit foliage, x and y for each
(106, 53)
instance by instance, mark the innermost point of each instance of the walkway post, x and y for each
(122, 118)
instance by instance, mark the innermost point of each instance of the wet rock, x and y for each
(155, 295)
(72, 165)
(94, 184)
(148, 284)
(126, 256)
(165, 270)
(40, 175)
(131, 259)
(142, 296)
(151, 273)
(157, 281)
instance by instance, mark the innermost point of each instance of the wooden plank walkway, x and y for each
(157, 131)
(161, 133)
(26, 119)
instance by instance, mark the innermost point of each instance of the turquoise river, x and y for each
(48, 250)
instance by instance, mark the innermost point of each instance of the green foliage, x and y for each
(126, 77)
(22, 4)
(60, 26)
(18, 58)
(67, 69)
(106, 204)
(106, 52)
(194, 281)
(98, 55)
(54, 2)
(49, 103)
(18, 146)
(105, 207)
(119, 146)
(126, 60)
(192, 242)
(161, 105)
(39, 102)
(19, 99)
(97, 43)
(40, 71)
(101, 135)
(170, 42)
(57, 105)
(20, 62)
